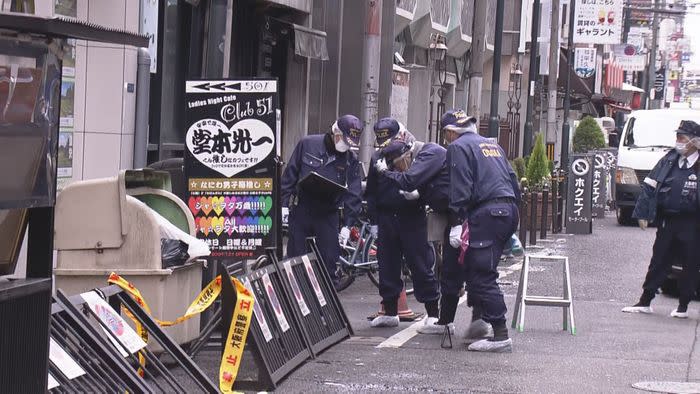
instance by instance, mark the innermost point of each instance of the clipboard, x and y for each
(318, 184)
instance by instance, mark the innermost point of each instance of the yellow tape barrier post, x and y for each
(237, 333)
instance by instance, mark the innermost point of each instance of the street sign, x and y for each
(584, 62)
(579, 211)
(230, 164)
(660, 81)
(600, 189)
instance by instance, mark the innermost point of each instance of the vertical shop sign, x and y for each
(578, 212)
(600, 185)
(230, 164)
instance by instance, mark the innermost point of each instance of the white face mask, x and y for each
(340, 145)
(682, 147)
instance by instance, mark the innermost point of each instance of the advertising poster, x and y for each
(65, 154)
(67, 103)
(598, 22)
(584, 62)
(230, 164)
(67, 8)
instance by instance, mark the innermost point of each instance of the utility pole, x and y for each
(496, 75)
(566, 128)
(651, 78)
(552, 77)
(476, 63)
(370, 78)
(527, 138)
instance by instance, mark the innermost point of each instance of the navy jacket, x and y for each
(647, 201)
(317, 153)
(428, 174)
(382, 194)
(479, 172)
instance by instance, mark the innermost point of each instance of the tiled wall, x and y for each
(105, 93)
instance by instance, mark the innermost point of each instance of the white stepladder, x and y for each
(566, 301)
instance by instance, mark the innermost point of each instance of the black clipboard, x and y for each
(318, 184)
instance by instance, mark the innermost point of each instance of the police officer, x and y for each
(401, 227)
(670, 197)
(313, 214)
(483, 192)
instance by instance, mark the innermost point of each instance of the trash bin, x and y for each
(105, 225)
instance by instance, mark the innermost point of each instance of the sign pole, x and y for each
(566, 127)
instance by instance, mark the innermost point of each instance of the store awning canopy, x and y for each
(631, 88)
(310, 43)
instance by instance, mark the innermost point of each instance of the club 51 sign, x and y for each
(230, 164)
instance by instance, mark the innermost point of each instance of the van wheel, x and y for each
(624, 216)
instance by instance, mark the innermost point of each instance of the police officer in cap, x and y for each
(313, 214)
(399, 221)
(484, 193)
(670, 198)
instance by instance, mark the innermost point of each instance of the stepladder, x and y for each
(524, 298)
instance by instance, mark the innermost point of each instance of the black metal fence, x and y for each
(541, 212)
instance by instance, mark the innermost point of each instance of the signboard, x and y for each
(660, 81)
(578, 207)
(123, 337)
(600, 184)
(598, 22)
(230, 164)
(611, 154)
(628, 57)
(584, 62)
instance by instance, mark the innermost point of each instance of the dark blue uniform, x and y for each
(483, 190)
(670, 197)
(403, 234)
(313, 214)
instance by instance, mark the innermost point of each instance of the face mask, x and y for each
(682, 147)
(341, 146)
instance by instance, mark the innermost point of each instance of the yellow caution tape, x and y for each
(238, 329)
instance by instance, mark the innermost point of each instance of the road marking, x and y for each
(397, 340)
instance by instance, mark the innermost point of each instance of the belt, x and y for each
(493, 201)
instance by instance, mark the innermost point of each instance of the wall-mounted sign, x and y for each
(584, 62)
(598, 22)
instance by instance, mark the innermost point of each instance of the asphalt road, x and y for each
(610, 352)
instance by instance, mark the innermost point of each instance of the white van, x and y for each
(646, 138)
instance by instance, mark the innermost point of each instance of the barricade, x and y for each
(94, 350)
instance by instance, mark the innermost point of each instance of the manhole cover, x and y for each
(669, 387)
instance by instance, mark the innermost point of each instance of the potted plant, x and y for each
(588, 136)
(539, 175)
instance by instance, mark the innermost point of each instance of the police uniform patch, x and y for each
(693, 177)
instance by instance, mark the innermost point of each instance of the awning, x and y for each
(310, 43)
(631, 88)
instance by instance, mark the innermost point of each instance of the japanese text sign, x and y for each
(580, 196)
(230, 164)
(598, 21)
(584, 62)
(600, 184)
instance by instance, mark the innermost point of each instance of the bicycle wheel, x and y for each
(369, 254)
(343, 272)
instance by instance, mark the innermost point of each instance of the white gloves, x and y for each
(456, 236)
(414, 195)
(374, 231)
(381, 165)
(285, 215)
(643, 224)
(344, 236)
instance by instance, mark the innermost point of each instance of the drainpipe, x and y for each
(143, 92)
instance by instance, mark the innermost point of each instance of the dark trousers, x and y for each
(490, 227)
(452, 275)
(677, 239)
(404, 237)
(306, 220)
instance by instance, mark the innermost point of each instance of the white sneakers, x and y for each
(385, 321)
(637, 309)
(679, 315)
(485, 345)
(431, 327)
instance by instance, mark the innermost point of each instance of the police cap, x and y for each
(689, 127)
(386, 129)
(456, 118)
(351, 127)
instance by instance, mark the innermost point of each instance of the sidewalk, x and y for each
(611, 351)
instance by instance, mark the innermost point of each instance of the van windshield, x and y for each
(654, 131)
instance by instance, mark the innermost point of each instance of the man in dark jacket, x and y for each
(670, 197)
(316, 214)
(483, 194)
(401, 227)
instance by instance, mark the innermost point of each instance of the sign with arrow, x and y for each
(230, 164)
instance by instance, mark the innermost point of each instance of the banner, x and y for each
(600, 184)
(584, 62)
(598, 22)
(230, 164)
